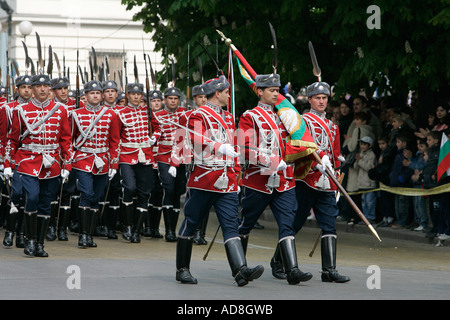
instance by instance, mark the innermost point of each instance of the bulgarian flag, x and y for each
(443, 169)
(300, 143)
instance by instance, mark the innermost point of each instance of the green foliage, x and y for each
(410, 50)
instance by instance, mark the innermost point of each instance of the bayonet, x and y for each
(27, 58)
(212, 59)
(94, 58)
(316, 69)
(275, 48)
(58, 65)
(135, 69)
(40, 64)
(50, 61)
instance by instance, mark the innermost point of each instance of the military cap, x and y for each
(267, 80)
(58, 83)
(318, 88)
(216, 84)
(172, 92)
(198, 90)
(135, 87)
(40, 79)
(156, 94)
(21, 80)
(110, 84)
(120, 97)
(72, 93)
(93, 85)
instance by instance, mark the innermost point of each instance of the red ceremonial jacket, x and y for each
(181, 149)
(94, 142)
(37, 146)
(165, 132)
(135, 144)
(260, 134)
(326, 136)
(214, 127)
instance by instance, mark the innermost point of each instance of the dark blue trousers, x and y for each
(39, 193)
(137, 180)
(323, 203)
(92, 188)
(197, 206)
(173, 187)
(282, 204)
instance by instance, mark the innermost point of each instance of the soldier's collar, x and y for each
(132, 105)
(63, 102)
(92, 108)
(322, 115)
(265, 106)
(216, 108)
(21, 100)
(39, 104)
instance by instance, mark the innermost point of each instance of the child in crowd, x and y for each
(400, 176)
(430, 179)
(366, 160)
(417, 164)
(380, 173)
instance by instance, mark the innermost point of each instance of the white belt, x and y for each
(136, 145)
(165, 143)
(40, 147)
(93, 150)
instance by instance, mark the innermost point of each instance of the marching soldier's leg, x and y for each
(277, 264)
(128, 210)
(10, 226)
(42, 228)
(63, 221)
(183, 260)
(111, 219)
(30, 220)
(200, 233)
(155, 219)
(74, 214)
(101, 229)
(236, 258)
(92, 223)
(244, 241)
(135, 236)
(83, 227)
(51, 232)
(170, 219)
(289, 257)
(328, 252)
(20, 229)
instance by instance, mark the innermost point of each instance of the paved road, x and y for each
(117, 269)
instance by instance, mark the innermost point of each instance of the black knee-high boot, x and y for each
(8, 240)
(276, 264)
(183, 260)
(289, 257)
(30, 219)
(170, 222)
(328, 251)
(236, 259)
(128, 210)
(42, 228)
(83, 226)
(136, 235)
(63, 221)
(51, 231)
(93, 216)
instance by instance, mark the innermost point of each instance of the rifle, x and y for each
(188, 90)
(147, 87)
(77, 96)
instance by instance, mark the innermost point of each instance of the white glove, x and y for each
(325, 164)
(8, 173)
(282, 166)
(228, 150)
(111, 173)
(173, 171)
(2, 166)
(152, 140)
(64, 174)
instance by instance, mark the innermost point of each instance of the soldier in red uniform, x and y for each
(96, 146)
(110, 208)
(173, 182)
(268, 180)
(155, 203)
(15, 216)
(213, 181)
(60, 89)
(316, 191)
(135, 161)
(41, 150)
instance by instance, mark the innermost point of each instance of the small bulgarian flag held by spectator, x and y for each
(300, 143)
(443, 169)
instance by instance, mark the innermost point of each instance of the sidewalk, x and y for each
(383, 232)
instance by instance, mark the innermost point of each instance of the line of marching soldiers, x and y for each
(105, 159)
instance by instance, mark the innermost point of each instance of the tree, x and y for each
(409, 51)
